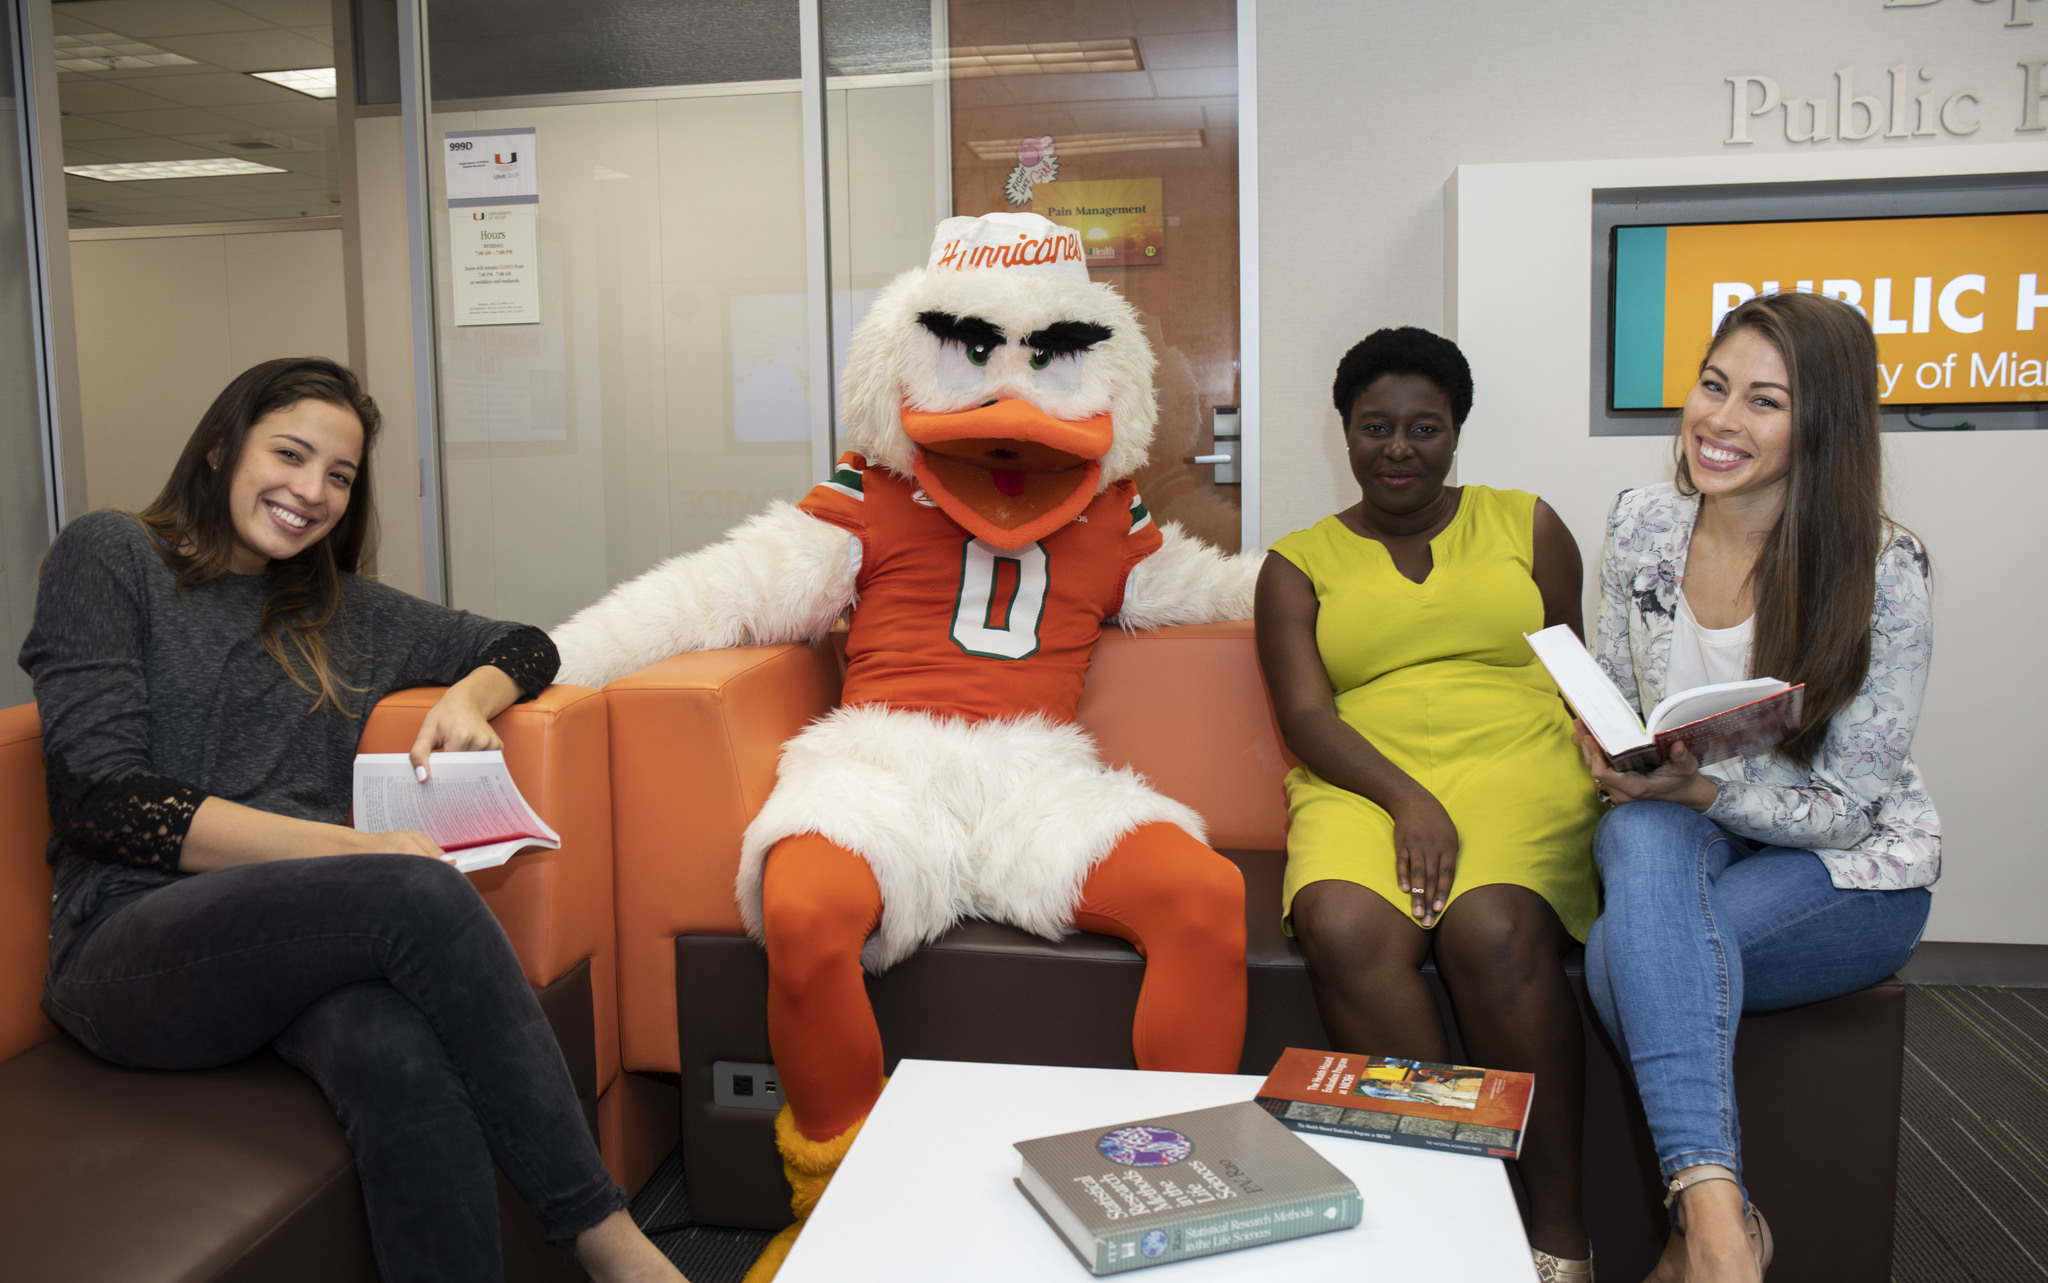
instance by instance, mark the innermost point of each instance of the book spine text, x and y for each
(1225, 1231)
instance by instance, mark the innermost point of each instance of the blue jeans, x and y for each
(386, 979)
(1700, 926)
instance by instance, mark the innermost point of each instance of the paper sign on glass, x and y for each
(491, 167)
(494, 259)
(1122, 221)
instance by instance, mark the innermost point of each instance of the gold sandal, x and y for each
(1558, 1269)
(1753, 1222)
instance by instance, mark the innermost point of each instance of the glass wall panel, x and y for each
(1066, 112)
(661, 394)
(24, 517)
(187, 111)
(1073, 110)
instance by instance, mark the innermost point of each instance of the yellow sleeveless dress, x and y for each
(1438, 677)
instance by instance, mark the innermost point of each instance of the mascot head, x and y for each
(1009, 385)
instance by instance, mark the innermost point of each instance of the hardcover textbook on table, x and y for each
(1401, 1102)
(1715, 722)
(1186, 1185)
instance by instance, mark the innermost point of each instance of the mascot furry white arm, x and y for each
(983, 528)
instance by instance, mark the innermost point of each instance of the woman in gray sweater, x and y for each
(203, 671)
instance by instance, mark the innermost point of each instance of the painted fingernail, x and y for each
(420, 773)
(1439, 906)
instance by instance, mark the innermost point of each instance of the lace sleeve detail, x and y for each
(138, 820)
(528, 656)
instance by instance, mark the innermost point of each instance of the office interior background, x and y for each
(192, 186)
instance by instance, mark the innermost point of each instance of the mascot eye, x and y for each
(962, 366)
(1056, 371)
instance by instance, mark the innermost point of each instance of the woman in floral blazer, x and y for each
(1786, 876)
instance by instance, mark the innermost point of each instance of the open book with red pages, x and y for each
(1727, 719)
(469, 806)
(1400, 1102)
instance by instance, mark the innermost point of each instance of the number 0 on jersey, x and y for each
(1001, 600)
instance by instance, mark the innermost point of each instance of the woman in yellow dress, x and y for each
(1440, 804)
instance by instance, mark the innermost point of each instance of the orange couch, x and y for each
(242, 1173)
(694, 747)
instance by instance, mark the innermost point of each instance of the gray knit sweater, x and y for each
(151, 700)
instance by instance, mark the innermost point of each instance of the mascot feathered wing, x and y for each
(982, 528)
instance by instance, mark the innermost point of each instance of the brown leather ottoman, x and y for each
(1818, 1085)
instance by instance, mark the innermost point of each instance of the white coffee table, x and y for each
(926, 1193)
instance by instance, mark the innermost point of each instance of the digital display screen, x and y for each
(1959, 303)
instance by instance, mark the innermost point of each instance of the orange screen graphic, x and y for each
(1960, 304)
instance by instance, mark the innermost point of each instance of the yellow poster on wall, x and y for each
(1956, 301)
(1122, 221)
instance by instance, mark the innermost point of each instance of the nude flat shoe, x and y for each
(1753, 1222)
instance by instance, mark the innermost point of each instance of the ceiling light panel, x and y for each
(1071, 145)
(314, 82)
(1060, 57)
(105, 51)
(207, 167)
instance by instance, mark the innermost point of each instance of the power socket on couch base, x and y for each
(744, 1085)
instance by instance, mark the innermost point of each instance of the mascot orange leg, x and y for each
(1182, 906)
(819, 903)
(1178, 902)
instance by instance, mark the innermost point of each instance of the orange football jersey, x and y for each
(951, 625)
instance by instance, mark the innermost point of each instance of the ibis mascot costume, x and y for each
(982, 529)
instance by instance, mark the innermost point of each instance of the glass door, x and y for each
(1119, 119)
(617, 200)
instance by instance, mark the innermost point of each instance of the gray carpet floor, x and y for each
(1973, 1142)
(1973, 1152)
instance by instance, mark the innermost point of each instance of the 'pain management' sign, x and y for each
(1960, 304)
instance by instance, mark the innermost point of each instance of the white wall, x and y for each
(1366, 112)
(164, 321)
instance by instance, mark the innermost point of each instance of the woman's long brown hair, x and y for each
(1815, 576)
(196, 531)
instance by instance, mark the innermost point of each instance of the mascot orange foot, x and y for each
(982, 529)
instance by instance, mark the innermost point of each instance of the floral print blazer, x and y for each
(1861, 806)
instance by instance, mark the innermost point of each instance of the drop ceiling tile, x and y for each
(170, 122)
(1199, 82)
(220, 89)
(145, 19)
(128, 149)
(272, 49)
(63, 24)
(84, 129)
(299, 114)
(1189, 49)
(91, 96)
(88, 156)
(288, 13)
(1184, 15)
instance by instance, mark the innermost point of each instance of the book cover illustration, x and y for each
(1458, 1108)
(1185, 1185)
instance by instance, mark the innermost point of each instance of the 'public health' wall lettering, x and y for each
(1911, 106)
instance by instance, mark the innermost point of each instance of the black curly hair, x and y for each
(1405, 350)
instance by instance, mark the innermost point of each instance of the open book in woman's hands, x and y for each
(1727, 719)
(469, 806)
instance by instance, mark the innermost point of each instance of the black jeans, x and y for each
(386, 979)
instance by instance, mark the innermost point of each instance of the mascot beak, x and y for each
(1007, 471)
